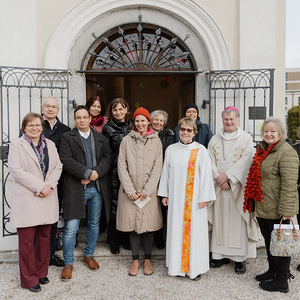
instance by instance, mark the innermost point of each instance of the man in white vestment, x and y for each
(234, 233)
(187, 187)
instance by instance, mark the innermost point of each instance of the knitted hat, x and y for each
(142, 111)
(191, 105)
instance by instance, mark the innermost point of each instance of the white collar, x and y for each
(85, 135)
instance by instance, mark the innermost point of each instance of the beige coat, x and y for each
(26, 208)
(139, 169)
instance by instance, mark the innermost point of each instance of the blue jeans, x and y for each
(93, 201)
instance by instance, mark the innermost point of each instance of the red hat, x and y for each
(142, 111)
(232, 108)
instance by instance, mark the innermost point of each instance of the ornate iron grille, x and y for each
(23, 90)
(140, 49)
(251, 91)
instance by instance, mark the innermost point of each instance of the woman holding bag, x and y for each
(272, 186)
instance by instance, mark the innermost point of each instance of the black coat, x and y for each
(115, 132)
(72, 155)
(297, 148)
(166, 136)
(55, 134)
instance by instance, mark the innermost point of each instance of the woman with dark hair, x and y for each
(35, 167)
(139, 168)
(117, 127)
(204, 133)
(97, 111)
(296, 146)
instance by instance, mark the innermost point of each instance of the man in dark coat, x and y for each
(297, 148)
(204, 133)
(53, 130)
(87, 159)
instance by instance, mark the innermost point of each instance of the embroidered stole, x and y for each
(188, 211)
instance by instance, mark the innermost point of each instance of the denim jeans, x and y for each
(93, 201)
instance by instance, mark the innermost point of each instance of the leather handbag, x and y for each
(285, 242)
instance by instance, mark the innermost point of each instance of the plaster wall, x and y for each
(262, 36)
(18, 33)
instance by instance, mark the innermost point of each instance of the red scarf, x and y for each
(253, 189)
(98, 121)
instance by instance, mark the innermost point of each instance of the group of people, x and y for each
(143, 175)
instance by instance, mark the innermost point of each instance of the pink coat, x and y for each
(26, 208)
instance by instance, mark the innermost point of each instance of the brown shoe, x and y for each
(66, 274)
(148, 270)
(134, 268)
(89, 260)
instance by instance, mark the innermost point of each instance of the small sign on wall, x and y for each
(257, 112)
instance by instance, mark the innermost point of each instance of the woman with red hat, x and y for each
(139, 169)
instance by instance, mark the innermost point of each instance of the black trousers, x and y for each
(281, 265)
(135, 241)
(116, 237)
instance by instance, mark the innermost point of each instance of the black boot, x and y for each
(269, 275)
(279, 284)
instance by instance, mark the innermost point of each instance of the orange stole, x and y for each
(186, 237)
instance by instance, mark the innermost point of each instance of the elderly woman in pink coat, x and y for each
(35, 167)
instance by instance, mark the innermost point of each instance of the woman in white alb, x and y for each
(187, 186)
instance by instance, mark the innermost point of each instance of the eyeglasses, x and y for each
(51, 106)
(34, 125)
(188, 130)
(79, 118)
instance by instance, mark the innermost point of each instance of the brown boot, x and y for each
(89, 260)
(66, 274)
(134, 268)
(148, 270)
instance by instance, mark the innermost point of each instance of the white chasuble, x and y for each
(234, 233)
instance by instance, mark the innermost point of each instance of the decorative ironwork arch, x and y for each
(138, 47)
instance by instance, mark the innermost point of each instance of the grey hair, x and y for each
(228, 111)
(50, 97)
(157, 112)
(278, 123)
(188, 121)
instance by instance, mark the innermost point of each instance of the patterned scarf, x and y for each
(253, 189)
(40, 150)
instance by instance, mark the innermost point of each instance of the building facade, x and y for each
(292, 88)
(157, 54)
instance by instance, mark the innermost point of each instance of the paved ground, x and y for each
(112, 282)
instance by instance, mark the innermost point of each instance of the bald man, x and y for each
(53, 130)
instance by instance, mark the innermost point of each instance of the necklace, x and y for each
(225, 156)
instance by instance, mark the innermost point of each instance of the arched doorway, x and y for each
(143, 63)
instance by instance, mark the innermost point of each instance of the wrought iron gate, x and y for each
(251, 91)
(23, 90)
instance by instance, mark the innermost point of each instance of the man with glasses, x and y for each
(87, 159)
(53, 130)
